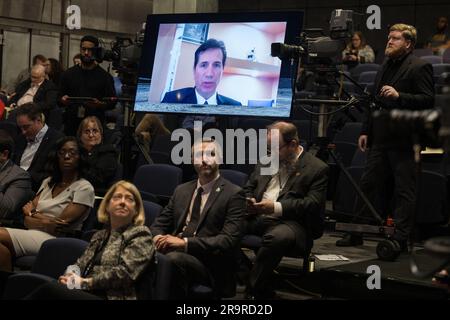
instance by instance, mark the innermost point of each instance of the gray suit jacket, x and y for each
(15, 190)
(219, 231)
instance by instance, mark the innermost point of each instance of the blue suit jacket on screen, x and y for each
(187, 95)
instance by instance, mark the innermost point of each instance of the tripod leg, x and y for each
(358, 190)
(142, 149)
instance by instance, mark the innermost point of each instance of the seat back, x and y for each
(367, 76)
(439, 69)
(349, 133)
(432, 59)
(236, 177)
(151, 210)
(57, 254)
(423, 52)
(158, 179)
(362, 67)
(247, 167)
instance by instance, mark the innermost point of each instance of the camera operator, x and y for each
(86, 80)
(404, 82)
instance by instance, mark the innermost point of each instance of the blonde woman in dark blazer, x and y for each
(116, 257)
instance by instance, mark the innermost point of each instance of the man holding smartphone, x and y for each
(285, 208)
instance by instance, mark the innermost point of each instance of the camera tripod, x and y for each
(130, 139)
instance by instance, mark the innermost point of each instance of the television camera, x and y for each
(323, 49)
(318, 56)
(125, 55)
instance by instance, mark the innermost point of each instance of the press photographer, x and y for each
(404, 82)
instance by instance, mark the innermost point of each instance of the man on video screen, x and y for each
(209, 63)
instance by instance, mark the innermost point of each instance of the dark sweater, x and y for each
(101, 164)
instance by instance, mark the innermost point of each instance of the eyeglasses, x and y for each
(71, 153)
(91, 131)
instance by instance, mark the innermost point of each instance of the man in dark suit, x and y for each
(15, 183)
(404, 82)
(209, 62)
(200, 229)
(286, 208)
(35, 143)
(37, 89)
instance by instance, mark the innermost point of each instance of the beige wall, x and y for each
(160, 70)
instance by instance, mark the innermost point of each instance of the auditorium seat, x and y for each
(432, 59)
(52, 260)
(158, 179)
